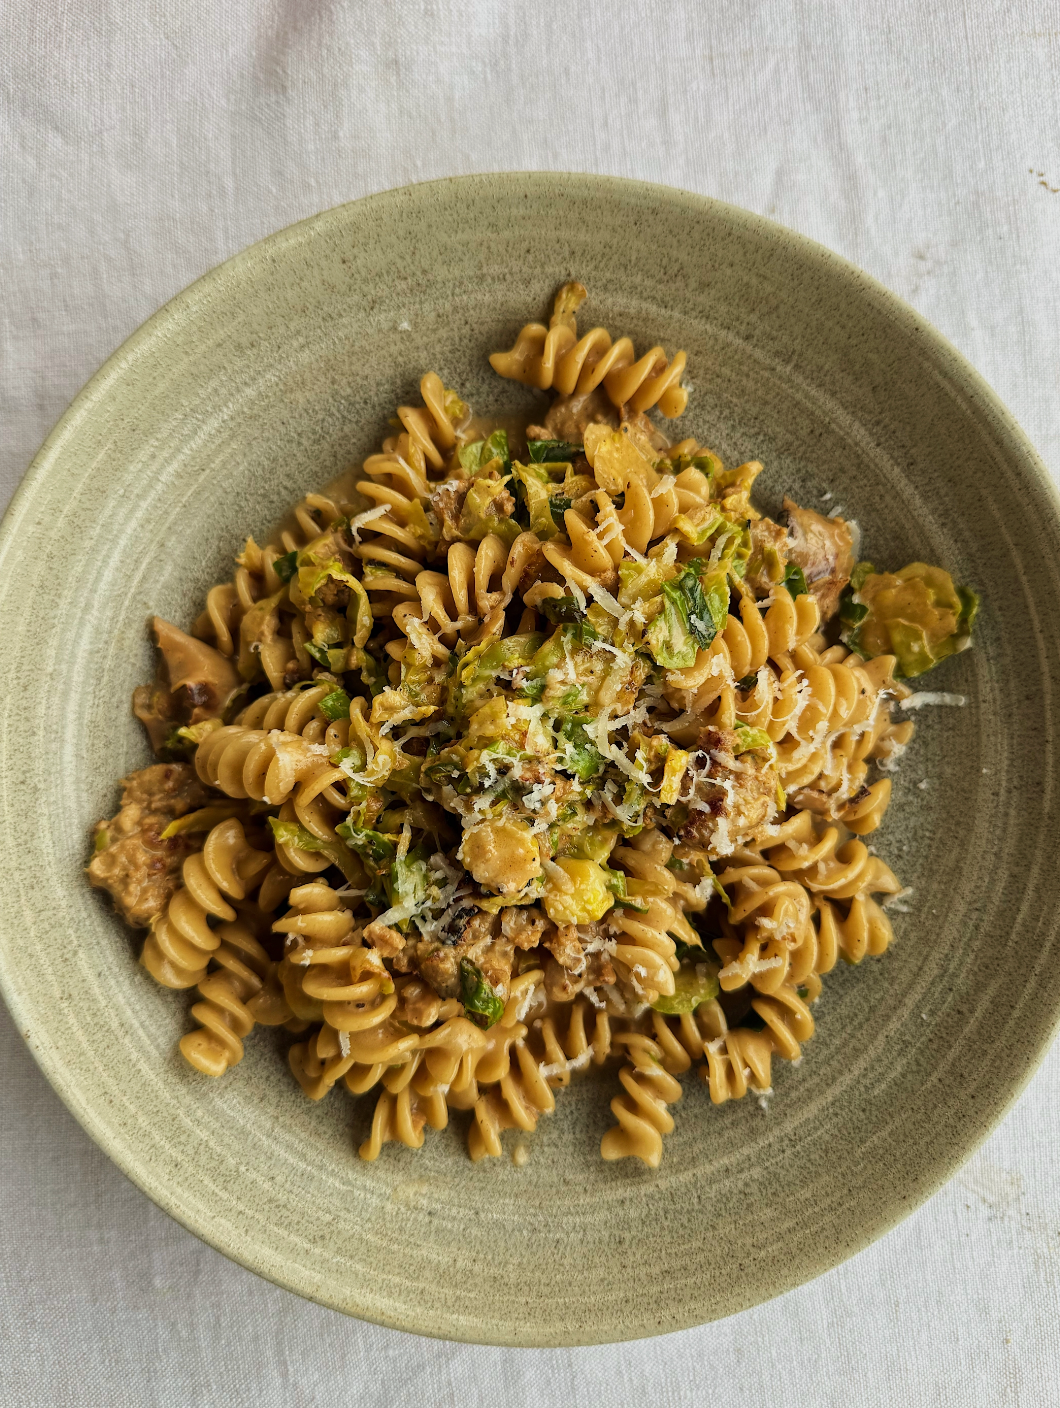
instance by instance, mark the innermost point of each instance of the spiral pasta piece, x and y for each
(566, 1039)
(292, 711)
(517, 1101)
(467, 601)
(243, 617)
(441, 1074)
(769, 918)
(386, 1051)
(393, 546)
(556, 357)
(651, 381)
(182, 941)
(642, 1114)
(400, 1118)
(224, 1013)
(644, 951)
(864, 929)
(790, 622)
(266, 767)
(824, 867)
(327, 973)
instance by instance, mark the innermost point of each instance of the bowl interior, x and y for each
(274, 374)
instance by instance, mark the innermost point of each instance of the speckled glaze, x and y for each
(267, 378)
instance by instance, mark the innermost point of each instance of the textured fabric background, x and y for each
(142, 144)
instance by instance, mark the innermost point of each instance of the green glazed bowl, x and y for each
(268, 378)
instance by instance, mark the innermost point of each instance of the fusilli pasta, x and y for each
(531, 753)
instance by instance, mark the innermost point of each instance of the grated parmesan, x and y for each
(930, 696)
(363, 519)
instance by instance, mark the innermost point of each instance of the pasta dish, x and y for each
(539, 749)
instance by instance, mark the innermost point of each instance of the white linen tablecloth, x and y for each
(142, 143)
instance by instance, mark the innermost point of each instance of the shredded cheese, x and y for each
(369, 516)
(928, 696)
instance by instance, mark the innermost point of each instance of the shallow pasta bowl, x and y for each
(269, 377)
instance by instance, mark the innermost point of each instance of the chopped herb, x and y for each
(481, 1003)
(748, 682)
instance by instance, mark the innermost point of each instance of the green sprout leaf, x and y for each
(286, 566)
(670, 638)
(377, 849)
(562, 610)
(748, 738)
(580, 756)
(795, 580)
(481, 1003)
(481, 453)
(691, 953)
(551, 451)
(406, 887)
(290, 833)
(858, 577)
(335, 705)
(691, 987)
(332, 658)
(969, 611)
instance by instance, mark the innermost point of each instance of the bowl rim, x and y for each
(511, 184)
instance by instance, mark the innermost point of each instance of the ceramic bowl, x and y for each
(269, 377)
